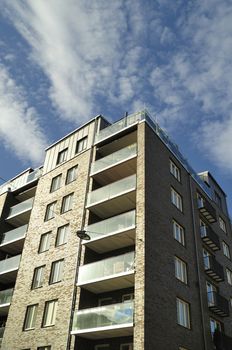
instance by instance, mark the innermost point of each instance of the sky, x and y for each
(64, 62)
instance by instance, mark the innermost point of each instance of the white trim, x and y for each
(114, 276)
(102, 329)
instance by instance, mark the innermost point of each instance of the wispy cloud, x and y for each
(19, 126)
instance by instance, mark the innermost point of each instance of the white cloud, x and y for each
(19, 127)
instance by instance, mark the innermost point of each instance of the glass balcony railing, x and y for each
(106, 268)
(118, 223)
(21, 207)
(118, 126)
(103, 316)
(10, 264)
(6, 296)
(114, 158)
(112, 190)
(13, 235)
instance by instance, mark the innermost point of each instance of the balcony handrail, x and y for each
(114, 158)
(107, 267)
(12, 235)
(207, 231)
(215, 299)
(118, 223)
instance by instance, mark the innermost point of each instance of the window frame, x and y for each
(48, 208)
(83, 142)
(62, 156)
(175, 170)
(181, 233)
(66, 228)
(187, 315)
(48, 234)
(33, 319)
(45, 313)
(182, 269)
(54, 181)
(58, 273)
(222, 224)
(226, 250)
(41, 277)
(176, 199)
(75, 169)
(63, 204)
(229, 273)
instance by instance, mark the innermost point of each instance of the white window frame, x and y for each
(67, 203)
(174, 170)
(71, 174)
(56, 183)
(62, 235)
(44, 244)
(81, 144)
(50, 310)
(183, 313)
(181, 270)
(176, 199)
(50, 211)
(56, 274)
(30, 317)
(226, 249)
(38, 276)
(62, 156)
(222, 224)
(178, 232)
(229, 276)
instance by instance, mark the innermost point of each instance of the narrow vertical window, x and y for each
(174, 170)
(50, 211)
(30, 317)
(71, 175)
(178, 232)
(229, 276)
(180, 270)
(55, 184)
(56, 271)
(226, 249)
(62, 156)
(176, 199)
(62, 235)
(222, 224)
(50, 313)
(183, 313)
(44, 242)
(38, 277)
(81, 145)
(67, 203)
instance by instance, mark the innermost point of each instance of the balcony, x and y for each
(2, 329)
(12, 241)
(113, 233)
(9, 268)
(223, 340)
(20, 213)
(218, 304)
(115, 320)
(5, 300)
(108, 274)
(207, 210)
(114, 198)
(123, 163)
(210, 238)
(119, 126)
(213, 268)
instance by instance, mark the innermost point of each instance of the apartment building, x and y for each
(115, 243)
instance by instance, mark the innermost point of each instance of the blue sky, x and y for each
(63, 62)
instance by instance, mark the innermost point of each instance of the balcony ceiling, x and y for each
(4, 309)
(9, 276)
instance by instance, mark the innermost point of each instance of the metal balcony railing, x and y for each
(210, 238)
(218, 304)
(207, 210)
(213, 268)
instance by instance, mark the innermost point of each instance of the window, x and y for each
(183, 315)
(56, 271)
(30, 317)
(44, 242)
(71, 175)
(38, 277)
(229, 276)
(102, 347)
(62, 235)
(178, 232)
(174, 170)
(210, 293)
(67, 203)
(180, 270)
(50, 211)
(44, 348)
(222, 224)
(218, 199)
(50, 313)
(176, 199)
(214, 324)
(206, 257)
(128, 346)
(81, 145)
(56, 181)
(226, 249)
(62, 156)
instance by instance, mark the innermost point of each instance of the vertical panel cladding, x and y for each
(161, 286)
(139, 244)
(14, 337)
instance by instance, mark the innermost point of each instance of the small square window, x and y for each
(62, 235)
(226, 249)
(44, 242)
(180, 270)
(222, 224)
(62, 156)
(81, 144)
(71, 174)
(178, 232)
(30, 317)
(176, 199)
(67, 203)
(174, 170)
(50, 310)
(183, 313)
(50, 211)
(38, 277)
(56, 271)
(56, 181)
